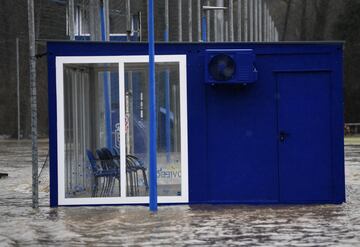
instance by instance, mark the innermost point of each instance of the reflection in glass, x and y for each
(91, 166)
(92, 130)
(168, 121)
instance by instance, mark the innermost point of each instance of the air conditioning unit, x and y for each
(230, 66)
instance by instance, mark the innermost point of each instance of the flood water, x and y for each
(323, 225)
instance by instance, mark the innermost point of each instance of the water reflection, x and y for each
(317, 225)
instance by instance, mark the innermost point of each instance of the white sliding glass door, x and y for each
(102, 112)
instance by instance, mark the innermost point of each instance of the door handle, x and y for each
(283, 135)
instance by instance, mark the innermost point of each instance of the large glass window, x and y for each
(88, 110)
(103, 119)
(168, 122)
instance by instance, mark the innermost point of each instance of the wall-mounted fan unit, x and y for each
(230, 66)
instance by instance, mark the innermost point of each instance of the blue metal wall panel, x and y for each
(232, 131)
(52, 130)
(337, 129)
(242, 151)
(304, 110)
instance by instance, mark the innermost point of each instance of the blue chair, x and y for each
(98, 173)
(135, 164)
(138, 166)
(131, 181)
(112, 169)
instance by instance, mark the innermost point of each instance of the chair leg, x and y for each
(137, 183)
(127, 183)
(145, 180)
(117, 179)
(95, 187)
(98, 181)
(101, 186)
(104, 180)
(119, 187)
(134, 181)
(131, 184)
(112, 186)
(107, 188)
(111, 181)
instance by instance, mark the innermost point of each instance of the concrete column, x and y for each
(208, 23)
(190, 19)
(180, 20)
(71, 19)
(261, 19)
(198, 12)
(239, 22)
(128, 17)
(166, 32)
(251, 20)
(219, 22)
(94, 20)
(246, 20)
(231, 20)
(256, 20)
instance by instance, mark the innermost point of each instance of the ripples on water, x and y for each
(324, 225)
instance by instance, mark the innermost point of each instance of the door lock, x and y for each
(283, 135)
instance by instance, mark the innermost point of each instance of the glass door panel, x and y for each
(168, 132)
(103, 120)
(90, 169)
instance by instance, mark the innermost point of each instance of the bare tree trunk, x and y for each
(321, 10)
(180, 20)
(95, 32)
(303, 21)
(287, 15)
(231, 20)
(71, 9)
(190, 20)
(199, 19)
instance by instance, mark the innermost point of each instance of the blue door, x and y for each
(304, 108)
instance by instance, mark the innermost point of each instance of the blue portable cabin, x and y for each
(270, 133)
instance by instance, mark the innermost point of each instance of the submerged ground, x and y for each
(321, 225)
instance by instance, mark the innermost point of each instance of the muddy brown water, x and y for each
(231, 225)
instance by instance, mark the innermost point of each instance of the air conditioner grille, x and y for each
(222, 67)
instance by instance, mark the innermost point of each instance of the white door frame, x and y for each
(120, 60)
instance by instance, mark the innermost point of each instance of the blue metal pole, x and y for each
(204, 27)
(102, 22)
(166, 35)
(152, 111)
(107, 102)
